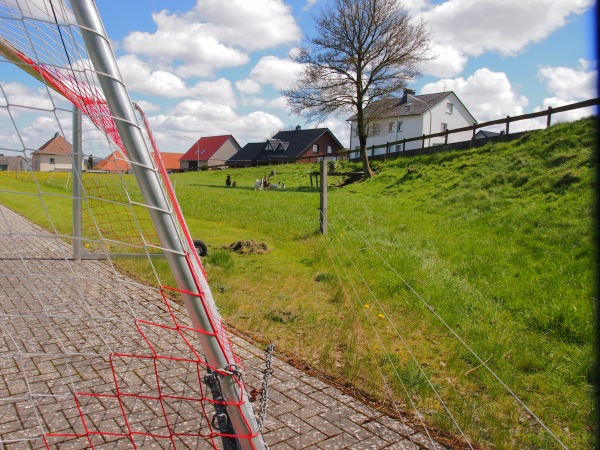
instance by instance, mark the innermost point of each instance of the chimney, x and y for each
(298, 128)
(406, 93)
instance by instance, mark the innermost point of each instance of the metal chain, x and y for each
(262, 411)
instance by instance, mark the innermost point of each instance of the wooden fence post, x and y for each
(549, 118)
(474, 131)
(507, 125)
(323, 207)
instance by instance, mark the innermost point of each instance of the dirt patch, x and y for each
(249, 247)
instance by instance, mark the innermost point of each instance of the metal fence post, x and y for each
(77, 172)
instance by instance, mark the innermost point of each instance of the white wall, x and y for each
(41, 163)
(413, 126)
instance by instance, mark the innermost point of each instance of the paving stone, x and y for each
(307, 439)
(281, 446)
(341, 441)
(296, 424)
(373, 443)
(382, 432)
(405, 444)
(67, 325)
(279, 435)
(397, 425)
(310, 410)
(324, 425)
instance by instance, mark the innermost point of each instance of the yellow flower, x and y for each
(366, 306)
(381, 316)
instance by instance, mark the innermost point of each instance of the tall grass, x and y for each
(497, 242)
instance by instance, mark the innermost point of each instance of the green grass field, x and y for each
(492, 245)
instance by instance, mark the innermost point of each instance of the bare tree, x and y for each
(362, 51)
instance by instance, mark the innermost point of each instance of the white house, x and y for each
(54, 155)
(413, 116)
(209, 152)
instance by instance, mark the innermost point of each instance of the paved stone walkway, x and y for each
(60, 321)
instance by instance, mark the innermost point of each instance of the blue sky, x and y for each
(211, 67)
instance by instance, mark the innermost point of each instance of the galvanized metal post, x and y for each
(323, 207)
(77, 172)
(121, 108)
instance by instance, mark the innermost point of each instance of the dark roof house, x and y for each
(297, 145)
(16, 163)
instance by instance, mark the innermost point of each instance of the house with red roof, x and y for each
(116, 162)
(209, 152)
(54, 155)
(171, 161)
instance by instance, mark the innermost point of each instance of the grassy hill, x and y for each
(485, 252)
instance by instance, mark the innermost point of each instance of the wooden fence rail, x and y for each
(506, 121)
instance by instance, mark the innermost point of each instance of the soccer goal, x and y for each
(91, 356)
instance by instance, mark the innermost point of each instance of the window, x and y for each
(399, 127)
(329, 149)
(391, 127)
(449, 108)
(315, 148)
(444, 127)
(52, 161)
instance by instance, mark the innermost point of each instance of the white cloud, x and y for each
(140, 78)
(196, 119)
(569, 85)
(309, 4)
(248, 86)
(464, 28)
(148, 106)
(281, 73)
(255, 25)
(506, 26)
(214, 35)
(19, 94)
(278, 103)
(218, 92)
(191, 45)
(446, 61)
(340, 129)
(487, 95)
(256, 126)
(198, 110)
